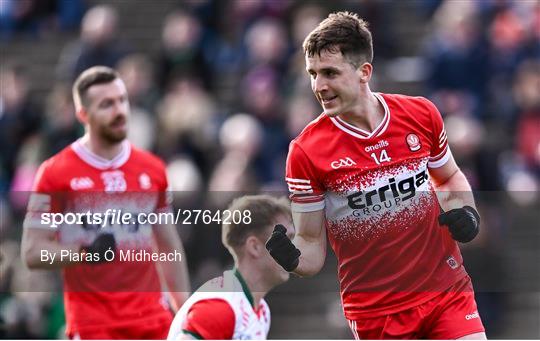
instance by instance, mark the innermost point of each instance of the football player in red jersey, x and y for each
(371, 174)
(108, 292)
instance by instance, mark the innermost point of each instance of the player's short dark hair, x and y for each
(92, 76)
(263, 210)
(343, 32)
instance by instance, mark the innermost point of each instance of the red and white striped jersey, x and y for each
(380, 206)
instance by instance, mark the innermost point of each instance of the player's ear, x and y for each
(254, 247)
(365, 71)
(82, 115)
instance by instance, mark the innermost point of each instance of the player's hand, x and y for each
(103, 243)
(282, 249)
(463, 223)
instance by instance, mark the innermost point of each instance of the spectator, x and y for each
(527, 98)
(180, 52)
(267, 44)
(35, 16)
(20, 118)
(60, 126)
(457, 58)
(262, 99)
(98, 44)
(240, 139)
(137, 72)
(186, 119)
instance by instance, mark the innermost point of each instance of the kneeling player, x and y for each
(232, 306)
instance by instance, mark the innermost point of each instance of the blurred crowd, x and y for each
(224, 91)
(37, 17)
(484, 61)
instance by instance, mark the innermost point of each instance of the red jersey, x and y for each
(76, 180)
(381, 209)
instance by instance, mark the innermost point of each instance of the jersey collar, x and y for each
(245, 287)
(361, 133)
(99, 162)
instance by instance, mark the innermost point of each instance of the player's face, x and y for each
(108, 111)
(334, 81)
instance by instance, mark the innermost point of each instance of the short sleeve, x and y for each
(44, 198)
(440, 151)
(306, 192)
(211, 319)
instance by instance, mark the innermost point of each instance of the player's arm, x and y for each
(38, 247)
(175, 273)
(41, 249)
(453, 189)
(456, 199)
(305, 254)
(310, 239)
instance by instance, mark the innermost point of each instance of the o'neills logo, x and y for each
(414, 142)
(379, 145)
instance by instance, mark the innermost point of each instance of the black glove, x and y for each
(282, 249)
(463, 223)
(103, 243)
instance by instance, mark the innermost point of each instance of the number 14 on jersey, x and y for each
(382, 157)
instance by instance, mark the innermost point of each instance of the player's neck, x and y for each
(100, 148)
(255, 281)
(367, 114)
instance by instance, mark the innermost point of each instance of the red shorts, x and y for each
(141, 331)
(450, 315)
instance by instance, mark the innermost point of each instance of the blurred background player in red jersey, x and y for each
(106, 297)
(366, 173)
(232, 306)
